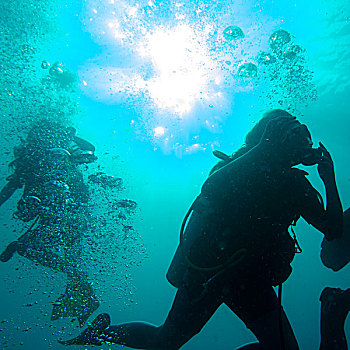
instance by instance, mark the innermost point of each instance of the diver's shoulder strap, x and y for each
(236, 257)
(201, 204)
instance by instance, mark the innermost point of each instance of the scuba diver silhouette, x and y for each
(234, 241)
(54, 202)
(60, 74)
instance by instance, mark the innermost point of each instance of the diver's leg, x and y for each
(79, 299)
(37, 245)
(258, 307)
(37, 253)
(335, 306)
(92, 335)
(186, 318)
(267, 331)
(18, 245)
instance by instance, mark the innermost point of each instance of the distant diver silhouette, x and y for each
(54, 202)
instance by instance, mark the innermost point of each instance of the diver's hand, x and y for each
(325, 165)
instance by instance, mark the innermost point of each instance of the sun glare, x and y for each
(182, 66)
(159, 131)
(169, 69)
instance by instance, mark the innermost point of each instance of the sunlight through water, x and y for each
(183, 69)
(182, 66)
(155, 86)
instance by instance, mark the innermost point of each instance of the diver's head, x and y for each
(291, 147)
(289, 141)
(254, 135)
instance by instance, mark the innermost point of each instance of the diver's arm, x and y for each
(8, 190)
(334, 209)
(83, 144)
(331, 225)
(330, 220)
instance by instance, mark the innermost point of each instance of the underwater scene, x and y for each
(134, 168)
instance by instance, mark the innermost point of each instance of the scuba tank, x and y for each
(199, 221)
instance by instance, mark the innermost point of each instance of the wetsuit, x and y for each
(54, 200)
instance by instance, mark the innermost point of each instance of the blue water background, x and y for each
(111, 106)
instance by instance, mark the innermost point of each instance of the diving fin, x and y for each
(92, 335)
(78, 301)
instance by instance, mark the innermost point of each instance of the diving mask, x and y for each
(299, 138)
(312, 157)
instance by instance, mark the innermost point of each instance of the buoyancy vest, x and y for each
(245, 232)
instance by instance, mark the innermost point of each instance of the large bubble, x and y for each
(248, 70)
(291, 51)
(233, 33)
(278, 40)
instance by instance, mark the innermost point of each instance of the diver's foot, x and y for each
(92, 335)
(335, 303)
(78, 301)
(90, 307)
(7, 254)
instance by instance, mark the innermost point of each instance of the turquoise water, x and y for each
(156, 89)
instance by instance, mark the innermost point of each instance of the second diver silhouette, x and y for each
(54, 201)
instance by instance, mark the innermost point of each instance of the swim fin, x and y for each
(78, 301)
(92, 335)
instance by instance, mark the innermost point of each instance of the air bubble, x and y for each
(278, 40)
(45, 65)
(248, 70)
(265, 58)
(233, 33)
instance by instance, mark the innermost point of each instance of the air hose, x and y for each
(234, 259)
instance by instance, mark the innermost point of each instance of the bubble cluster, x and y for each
(265, 58)
(25, 98)
(112, 239)
(33, 88)
(280, 76)
(285, 73)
